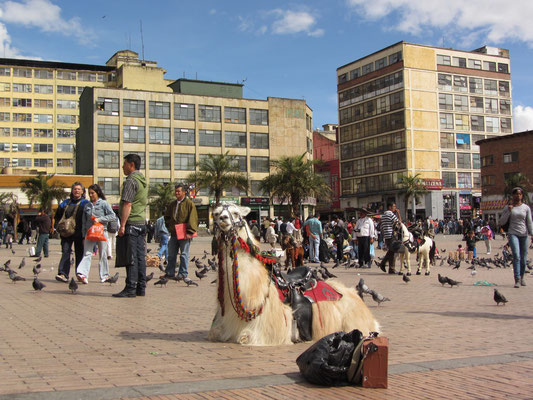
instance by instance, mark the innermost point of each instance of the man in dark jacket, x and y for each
(44, 225)
(76, 203)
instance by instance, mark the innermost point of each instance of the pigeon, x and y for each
(212, 264)
(15, 278)
(325, 277)
(378, 298)
(38, 259)
(193, 259)
(443, 250)
(457, 264)
(441, 262)
(189, 282)
(162, 268)
(148, 251)
(474, 272)
(22, 263)
(112, 279)
(161, 282)
(405, 278)
(363, 286)
(73, 286)
(149, 277)
(12, 251)
(6, 264)
(443, 280)
(328, 274)
(37, 284)
(200, 274)
(499, 298)
(452, 282)
(37, 269)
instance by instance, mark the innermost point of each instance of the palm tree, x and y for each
(10, 207)
(413, 188)
(38, 190)
(515, 180)
(293, 180)
(161, 195)
(217, 173)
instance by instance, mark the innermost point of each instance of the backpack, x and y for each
(112, 226)
(67, 226)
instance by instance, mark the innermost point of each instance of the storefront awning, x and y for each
(493, 204)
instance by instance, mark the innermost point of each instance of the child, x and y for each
(460, 253)
(471, 244)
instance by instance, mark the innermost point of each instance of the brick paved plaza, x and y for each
(444, 342)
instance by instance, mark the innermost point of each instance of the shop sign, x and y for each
(255, 201)
(465, 207)
(231, 200)
(433, 184)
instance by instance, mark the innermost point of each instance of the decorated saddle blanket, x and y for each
(321, 291)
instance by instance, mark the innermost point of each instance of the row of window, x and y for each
(371, 165)
(460, 141)
(41, 89)
(477, 123)
(182, 161)
(182, 136)
(49, 74)
(37, 132)
(37, 162)
(371, 89)
(460, 160)
(473, 85)
(39, 118)
(489, 180)
(386, 123)
(472, 63)
(375, 145)
(508, 158)
(182, 111)
(37, 147)
(37, 103)
(474, 104)
(377, 183)
(370, 67)
(371, 108)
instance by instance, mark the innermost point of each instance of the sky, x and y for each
(275, 48)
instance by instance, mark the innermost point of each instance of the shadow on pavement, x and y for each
(466, 314)
(193, 336)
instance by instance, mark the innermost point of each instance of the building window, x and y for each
(106, 133)
(40, 103)
(487, 180)
(464, 180)
(460, 84)
(66, 89)
(476, 104)
(67, 119)
(505, 124)
(22, 132)
(22, 72)
(445, 101)
(209, 138)
(461, 103)
(235, 115)
(21, 147)
(476, 138)
(235, 139)
(463, 161)
(446, 121)
(5, 102)
(462, 122)
(107, 106)
(87, 76)
(509, 175)
(159, 135)
(342, 78)
(160, 161)
(22, 87)
(44, 74)
(476, 85)
(355, 73)
(209, 113)
(505, 107)
(70, 133)
(5, 131)
(510, 157)
(184, 162)
(184, 112)
(255, 189)
(133, 108)
(394, 58)
(475, 64)
(43, 162)
(503, 68)
(443, 60)
(109, 185)
(68, 104)
(133, 134)
(489, 66)
(445, 82)
(22, 117)
(447, 140)
(108, 159)
(5, 71)
(381, 63)
(21, 102)
(21, 162)
(366, 69)
(447, 160)
(66, 75)
(6, 147)
(65, 162)
(492, 124)
(491, 87)
(258, 140)
(476, 163)
(44, 89)
(476, 179)
(477, 123)
(158, 181)
(65, 148)
(240, 163)
(487, 160)
(184, 137)
(503, 87)
(259, 164)
(44, 118)
(459, 62)
(491, 106)
(159, 110)
(5, 87)
(258, 117)
(5, 116)
(43, 133)
(43, 148)
(80, 89)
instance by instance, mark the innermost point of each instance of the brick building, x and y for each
(326, 149)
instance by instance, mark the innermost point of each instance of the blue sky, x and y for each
(278, 48)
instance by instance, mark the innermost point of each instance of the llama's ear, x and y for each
(244, 210)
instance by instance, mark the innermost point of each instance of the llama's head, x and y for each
(230, 217)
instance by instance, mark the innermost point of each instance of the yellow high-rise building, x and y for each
(411, 109)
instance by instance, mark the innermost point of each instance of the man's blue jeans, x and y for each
(164, 247)
(519, 246)
(314, 248)
(175, 245)
(42, 244)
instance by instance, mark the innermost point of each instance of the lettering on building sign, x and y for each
(295, 113)
(433, 184)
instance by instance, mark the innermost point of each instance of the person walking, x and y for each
(100, 211)
(270, 235)
(180, 211)
(518, 214)
(131, 242)
(365, 232)
(161, 234)
(44, 226)
(315, 233)
(388, 219)
(25, 230)
(73, 207)
(487, 235)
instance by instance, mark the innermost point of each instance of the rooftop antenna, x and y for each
(142, 39)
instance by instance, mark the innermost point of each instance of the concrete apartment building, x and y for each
(501, 158)
(39, 110)
(172, 131)
(412, 109)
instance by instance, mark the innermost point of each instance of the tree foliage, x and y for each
(517, 180)
(217, 173)
(412, 187)
(294, 179)
(160, 195)
(39, 190)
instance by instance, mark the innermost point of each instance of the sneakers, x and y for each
(522, 281)
(105, 278)
(82, 278)
(61, 278)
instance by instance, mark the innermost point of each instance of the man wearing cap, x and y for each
(365, 232)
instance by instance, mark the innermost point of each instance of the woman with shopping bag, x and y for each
(98, 214)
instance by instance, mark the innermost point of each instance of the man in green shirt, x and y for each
(131, 244)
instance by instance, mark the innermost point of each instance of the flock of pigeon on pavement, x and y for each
(319, 273)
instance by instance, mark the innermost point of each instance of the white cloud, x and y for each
(497, 20)
(291, 22)
(523, 118)
(44, 15)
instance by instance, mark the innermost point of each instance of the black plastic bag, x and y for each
(327, 361)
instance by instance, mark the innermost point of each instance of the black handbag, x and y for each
(124, 255)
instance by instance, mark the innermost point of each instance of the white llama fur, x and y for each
(423, 251)
(274, 325)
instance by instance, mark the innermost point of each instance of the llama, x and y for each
(426, 251)
(250, 310)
